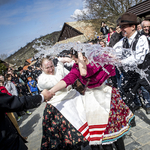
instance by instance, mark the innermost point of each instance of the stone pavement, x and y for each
(138, 138)
(31, 127)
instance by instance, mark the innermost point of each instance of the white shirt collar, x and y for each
(130, 39)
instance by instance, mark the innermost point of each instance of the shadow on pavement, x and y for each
(28, 128)
(24, 116)
(142, 116)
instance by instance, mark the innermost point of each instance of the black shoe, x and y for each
(147, 108)
(95, 147)
(133, 123)
(136, 107)
(84, 144)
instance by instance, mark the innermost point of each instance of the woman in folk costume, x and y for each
(58, 132)
(107, 116)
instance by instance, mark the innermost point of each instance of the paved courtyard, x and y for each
(138, 138)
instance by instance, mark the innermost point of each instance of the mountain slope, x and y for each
(28, 51)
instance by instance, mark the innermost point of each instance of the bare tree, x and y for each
(3, 56)
(104, 9)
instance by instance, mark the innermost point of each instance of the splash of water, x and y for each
(95, 54)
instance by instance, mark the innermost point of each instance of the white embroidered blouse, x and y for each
(137, 56)
(46, 81)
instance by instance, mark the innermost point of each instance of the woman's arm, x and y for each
(65, 59)
(82, 64)
(59, 86)
(61, 70)
(67, 80)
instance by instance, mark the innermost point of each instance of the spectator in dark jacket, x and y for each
(139, 28)
(115, 37)
(146, 29)
(23, 75)
(10, 139)
(104, 29)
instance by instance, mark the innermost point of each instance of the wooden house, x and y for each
(141, 10)
(82, 31)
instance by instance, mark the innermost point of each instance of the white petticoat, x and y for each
(88, 113)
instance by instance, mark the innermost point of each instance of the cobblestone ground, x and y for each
(138, 138)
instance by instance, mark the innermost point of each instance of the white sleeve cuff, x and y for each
(60, 59)
(42, 98)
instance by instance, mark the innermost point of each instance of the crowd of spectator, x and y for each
(109, 36)
(22, 83)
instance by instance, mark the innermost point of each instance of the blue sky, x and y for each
(21, 21)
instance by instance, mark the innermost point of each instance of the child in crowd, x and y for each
(103, 43)
(32, 86)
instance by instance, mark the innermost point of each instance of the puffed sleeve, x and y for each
(72, 75)
(61, 71)
(46, 81)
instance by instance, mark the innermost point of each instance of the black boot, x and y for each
(119, 144)
(95, 147)
(108, 147)
(133, 123)
(84, 144)
(147, 108)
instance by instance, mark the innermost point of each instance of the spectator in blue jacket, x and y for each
(32, 86)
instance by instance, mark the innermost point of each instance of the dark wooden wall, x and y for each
(141, 10)
(68, 32)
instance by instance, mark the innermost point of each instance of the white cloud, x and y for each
(79, 13)
(61, 26)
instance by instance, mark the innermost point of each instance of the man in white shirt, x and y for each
(132, 48)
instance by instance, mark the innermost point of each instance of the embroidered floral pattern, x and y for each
(58, 132)
(119, 112)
